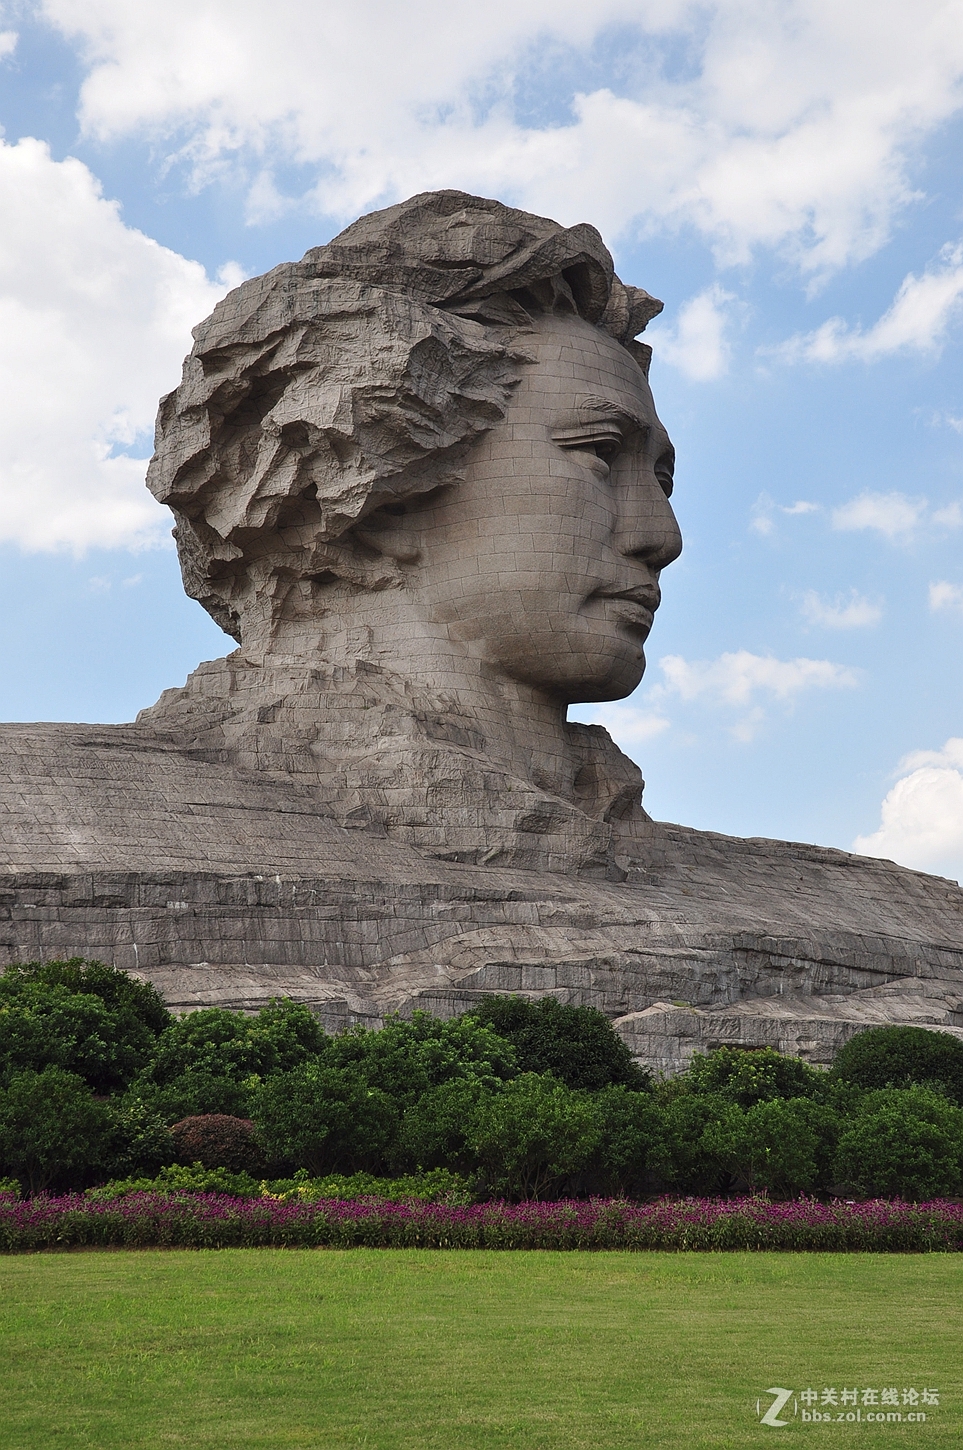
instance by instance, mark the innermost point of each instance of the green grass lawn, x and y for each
(240, 1349)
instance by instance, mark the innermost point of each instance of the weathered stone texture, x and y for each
(420, 477)
(766, 942)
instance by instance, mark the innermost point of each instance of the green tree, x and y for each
(897, 1057)
(138, 1141)
(685, 1157)
(136, 1001)
(751, 1076)
(435, 1129)
(194, 1093)
(532, 1134)
(51, 1128)
(629, 1125)
(212, 1061)
(778, 1145)
(325, 1119)
(49, 1026)
(902, 1143)
(577, 1045)
(84, 1017)
(290, 1033)
(408, 1057)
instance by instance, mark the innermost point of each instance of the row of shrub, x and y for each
(146, 1220)
(518, 1100)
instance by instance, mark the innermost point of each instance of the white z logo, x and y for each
(769, 1418)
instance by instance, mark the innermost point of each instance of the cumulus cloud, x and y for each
(696, 345)
(946, 596)
(918, 321)
(789, 127)
(747, 683)
(842, 612)
(950, 517)
(891, 514)
(921, 821)
(8, 43)
(741, 677)
(629, 725)
(765, 510)
(95, 318)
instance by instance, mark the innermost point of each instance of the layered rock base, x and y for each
(229, 886)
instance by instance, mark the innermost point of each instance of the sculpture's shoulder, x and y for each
(136, 799)
(805, 887)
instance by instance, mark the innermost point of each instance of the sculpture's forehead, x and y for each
(583, 369)
(581, 375)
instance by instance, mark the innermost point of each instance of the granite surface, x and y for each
(224, 887)
(420, 478)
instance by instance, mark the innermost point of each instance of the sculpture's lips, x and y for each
(638, 605)
(647, 595)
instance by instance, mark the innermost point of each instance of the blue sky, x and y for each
(786, 176)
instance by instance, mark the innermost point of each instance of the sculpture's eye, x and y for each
(665, 473)
(607, 449)
(604, 443)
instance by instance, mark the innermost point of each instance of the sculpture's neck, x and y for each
(522, 728)
(490, 773)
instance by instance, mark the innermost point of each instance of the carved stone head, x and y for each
(420, 478)
(437, 428)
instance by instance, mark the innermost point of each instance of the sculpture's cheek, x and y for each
(521, 559)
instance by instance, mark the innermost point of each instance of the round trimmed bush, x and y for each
(903, 1143)
(883, 1057)
(217, 1140)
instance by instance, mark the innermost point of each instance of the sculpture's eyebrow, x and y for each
(602, 410)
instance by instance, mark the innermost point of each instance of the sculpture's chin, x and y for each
(613, 689)
(607, 674)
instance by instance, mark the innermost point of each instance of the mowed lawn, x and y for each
(238, 1349)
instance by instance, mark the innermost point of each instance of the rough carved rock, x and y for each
(420, 478)
(223, 886)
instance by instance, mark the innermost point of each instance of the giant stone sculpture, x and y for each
(420, 478)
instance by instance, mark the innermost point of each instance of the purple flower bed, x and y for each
(213, 1221)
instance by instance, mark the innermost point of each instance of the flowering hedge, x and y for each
(154, 1220)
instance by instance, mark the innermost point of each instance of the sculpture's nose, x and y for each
(648, 528)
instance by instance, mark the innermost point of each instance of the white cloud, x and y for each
(765, 509)
(921, 821)
(790, 126)
(761, 519)
(740, 678)
(8, 43)
(854, 612)
(738, 681)
(918, 320)
(950, 517)
(629, 725)
(946, 596)
(94, 321)
(895, 515)
(696, 345)
(747, 683)
(892, 514)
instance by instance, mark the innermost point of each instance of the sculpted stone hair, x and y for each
(358, 377)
